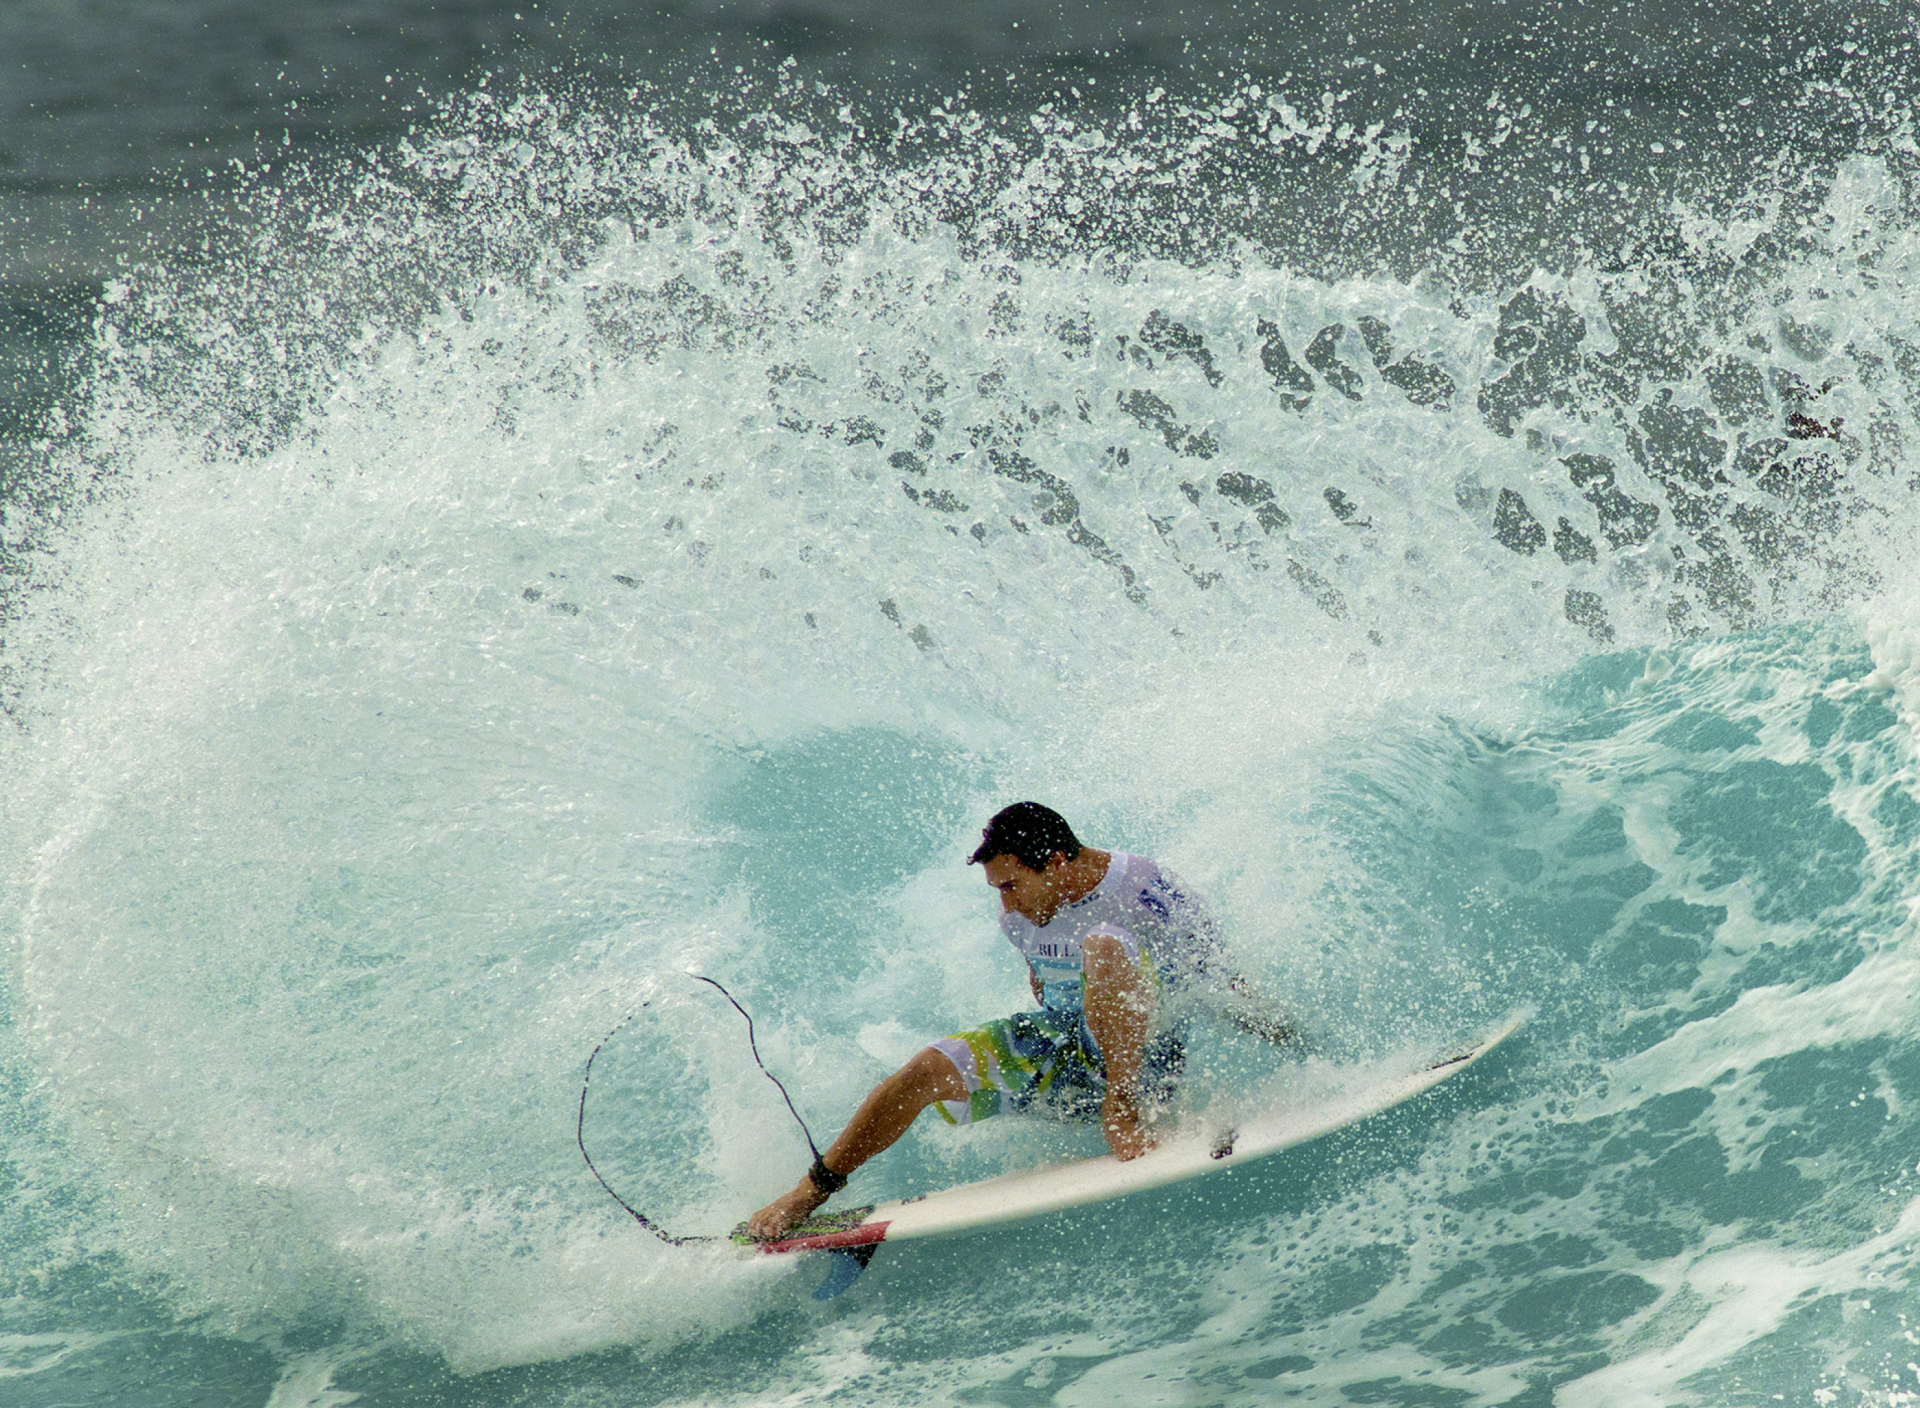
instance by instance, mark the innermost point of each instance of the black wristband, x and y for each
(824, 1178)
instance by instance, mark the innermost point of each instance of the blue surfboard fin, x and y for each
(844, 1268)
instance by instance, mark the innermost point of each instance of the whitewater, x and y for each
(584, 542)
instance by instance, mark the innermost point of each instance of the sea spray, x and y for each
(577, 546)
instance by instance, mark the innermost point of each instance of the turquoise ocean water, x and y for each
(590, 534)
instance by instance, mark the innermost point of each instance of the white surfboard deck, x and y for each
(1188, 1153)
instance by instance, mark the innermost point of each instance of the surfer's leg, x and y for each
(893, 1105)
(1029, 1063)
(882, 1118)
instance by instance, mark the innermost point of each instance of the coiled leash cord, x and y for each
(831, 1182)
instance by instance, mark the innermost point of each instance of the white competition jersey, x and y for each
(1156, 920)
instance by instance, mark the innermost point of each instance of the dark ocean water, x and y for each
(504, 508)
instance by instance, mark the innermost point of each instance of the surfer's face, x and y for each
(1033, 893)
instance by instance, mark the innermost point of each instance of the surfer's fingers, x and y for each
(1273, 1027)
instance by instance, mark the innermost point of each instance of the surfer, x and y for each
(1108, 938)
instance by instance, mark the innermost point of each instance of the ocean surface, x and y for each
(501, 510)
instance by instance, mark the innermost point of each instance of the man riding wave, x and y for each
(1118, 954)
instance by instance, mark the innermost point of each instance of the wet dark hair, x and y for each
(1028, 832)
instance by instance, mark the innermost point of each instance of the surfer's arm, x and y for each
(1270, 1027)
(1033, 981)
(1118, 1006)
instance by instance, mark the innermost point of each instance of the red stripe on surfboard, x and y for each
(865, 1234)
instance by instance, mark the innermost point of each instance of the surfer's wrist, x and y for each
(825, 1179)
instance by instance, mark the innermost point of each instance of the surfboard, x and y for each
(1337, 1099)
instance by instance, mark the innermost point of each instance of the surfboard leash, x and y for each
(580, 1137)
(580, 1128)
(754, 1047)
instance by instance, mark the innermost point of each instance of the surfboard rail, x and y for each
(1189, 1153)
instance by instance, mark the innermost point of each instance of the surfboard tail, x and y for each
(864, 1237)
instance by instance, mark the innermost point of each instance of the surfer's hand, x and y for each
(1129, 1145)
(780, 1216)
(1126, 1136)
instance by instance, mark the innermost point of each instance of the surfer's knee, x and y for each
(930, 1075)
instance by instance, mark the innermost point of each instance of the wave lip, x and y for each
(577, 546)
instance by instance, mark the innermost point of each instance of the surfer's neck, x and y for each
(1075, 879)
(1081, 874)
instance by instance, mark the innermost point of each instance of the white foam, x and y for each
(371, 776)
(1893, 635)
(1749, 1290)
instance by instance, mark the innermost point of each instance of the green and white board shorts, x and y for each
(1046, 1063)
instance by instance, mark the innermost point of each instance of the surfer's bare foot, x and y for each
(783, 1214)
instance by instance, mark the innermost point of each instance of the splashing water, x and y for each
(584, 544)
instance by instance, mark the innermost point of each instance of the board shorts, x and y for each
(1047, 1063)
